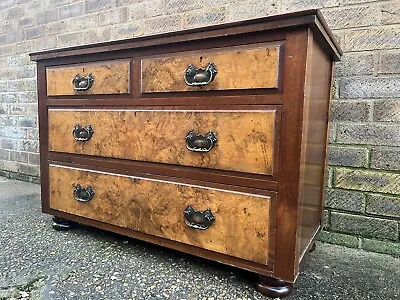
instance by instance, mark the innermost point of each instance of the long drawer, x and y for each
(231, 140)
(232, 223)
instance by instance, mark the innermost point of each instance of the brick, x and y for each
(345, 200)
(27, 72)
(114, 16)
(294, 5)
(354, 111)
(32, 133)
(69, 39)
(373, 134)
(178, 6)
(385, 158)
(329, 177)
(92, 6)
(27, 46)
(26, 22)
(385, 247)
(9, 144)
(383, 205)
(347, 156)
(391, 13)
(28, 169)
(389, 63)
(15, 13)
(26, 97)
(33, 158)
(28, 146)
(6, 50)
(12, 132)
(8, 120)
(22, 85)
(386, 111)
(162, 24)
(7, 97)
(325, 219)
(368, 180)
(338, 239)
(355, 16)
(70, 11)
(17, 109)
(47, 42)
(355, 64)
(15, 36)
(127, 30)
(4, 154)
(349, 2)
(332, 133)
(145, 10)
(204, 18)
(17, 60)
(34, 32)
(364, 226)
(47, 16)
(6, 3)
(19, 156)
(27, 121)
(4, 109)
(369, 87)
(253, 10)
(372, 39)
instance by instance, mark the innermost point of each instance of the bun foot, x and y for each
(313, 247)
(62, 224)
(274, 288)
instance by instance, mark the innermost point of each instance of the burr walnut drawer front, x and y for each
(245, 67)
(99, 78)
(232, 223)
(232, 140)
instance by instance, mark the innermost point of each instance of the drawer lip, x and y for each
(63, 88)
(269, 224)
(181, 156)
(178, 86)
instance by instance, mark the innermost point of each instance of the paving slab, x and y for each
(37, 262)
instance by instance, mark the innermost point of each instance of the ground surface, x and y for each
(37, 262)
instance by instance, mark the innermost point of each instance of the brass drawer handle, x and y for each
(200, 143)
(82, 83)
(197, 219)
(200, 76)
(83, 195)
(82, 134)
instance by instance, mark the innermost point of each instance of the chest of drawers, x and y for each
(210, 141)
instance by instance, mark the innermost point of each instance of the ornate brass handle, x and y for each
(200, 76)
(197, 219)
(82, 134)
(83, 83)
(83, 195)
(200, 143)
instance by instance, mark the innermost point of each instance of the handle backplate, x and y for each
(82, 194)
(197, 219)
(82, 134)
(82, 82)
(199, 76)
(200, 143)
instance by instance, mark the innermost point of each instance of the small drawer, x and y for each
(100, 78)
(232, 223)
(231, 140)
(221, 69)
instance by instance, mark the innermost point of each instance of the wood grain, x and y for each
(246, 139)
(238, 68)
(111, 77)
(241, 227)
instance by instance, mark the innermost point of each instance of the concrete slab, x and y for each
(37, 262)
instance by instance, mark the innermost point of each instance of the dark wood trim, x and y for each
(202, 175)
(291, 133)
(284, 21)
(43, 134)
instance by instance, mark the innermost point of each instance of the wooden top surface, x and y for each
(307, 18)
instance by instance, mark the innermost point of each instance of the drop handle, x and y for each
(200, 77)
(201, 220)
(200, 143)
(81, 133)
(82, 194)
(83, 82)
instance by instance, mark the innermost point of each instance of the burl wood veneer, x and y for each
(210, 141)
(261, 69)
(245, 139)
(109, 77)
(240, 229)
